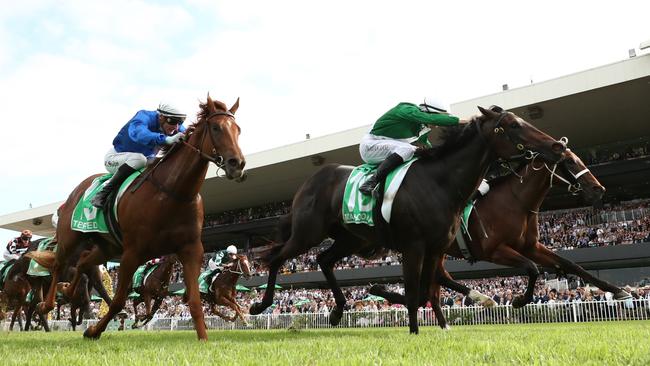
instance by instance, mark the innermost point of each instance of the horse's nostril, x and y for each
(233, 162)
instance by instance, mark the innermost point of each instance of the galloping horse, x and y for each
(154, 287)
(425, 209)
(223, 289)
(510, 216)
(38, 283)
(14, 292)
(162, 216)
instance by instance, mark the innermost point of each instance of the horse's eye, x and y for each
(216, 128)
(515, 125)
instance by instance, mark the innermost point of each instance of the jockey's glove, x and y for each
(170, 140)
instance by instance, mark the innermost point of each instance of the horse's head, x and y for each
(216, 135)
(581, 179)
(512, 137)
(243, 265)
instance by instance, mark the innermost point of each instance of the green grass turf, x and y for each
(612, 343)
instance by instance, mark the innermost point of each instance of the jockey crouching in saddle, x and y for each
(13, 250)
(221, 260)
(391, 140)
(137, 141)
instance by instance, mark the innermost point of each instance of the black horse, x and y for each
(425, 210)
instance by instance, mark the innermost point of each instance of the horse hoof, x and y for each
(91, 334)
(377, 290)
(256, 308)
(519, 302)
(335, 316)
(446, 328)
(622, 295)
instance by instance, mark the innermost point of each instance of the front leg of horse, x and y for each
(129, 263)
(156, 305)
(192, 257)
(547, 258)
(507, 256)
(412, 260)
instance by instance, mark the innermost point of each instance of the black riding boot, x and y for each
(122, 173)
(392, 161)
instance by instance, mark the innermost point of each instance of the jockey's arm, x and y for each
(9, 252)
(212, 265)
(415, 115)
(140, 133)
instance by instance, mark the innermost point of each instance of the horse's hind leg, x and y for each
(547, 258)
(445, 279)
(345, 244)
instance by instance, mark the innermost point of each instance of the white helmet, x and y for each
(168, 110)
(434, 105)
(231, 249)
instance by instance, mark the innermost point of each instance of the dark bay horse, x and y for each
(163, 216)
(154, 287)
(510, 216)
(425, 209)
(223, 290)
(92, 280)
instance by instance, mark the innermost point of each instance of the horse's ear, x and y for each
(486, 112)
(210, 104)
(235, 106)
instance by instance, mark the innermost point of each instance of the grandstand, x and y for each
(603, 111)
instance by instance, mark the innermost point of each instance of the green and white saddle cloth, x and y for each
(90, 219)
(36, 269)
(357, 207)
(5, 267)
(140, 276)
(204, 281)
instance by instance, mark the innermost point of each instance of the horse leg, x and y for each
(135, 324)
(129, 263)
(232, 305)
(547, 258)
(343, 246)
(95, 278)
(412, 259)
(433, 292)
(73, 315)
(191, 258)
(506, 255)
(153, 310)
(444, 278)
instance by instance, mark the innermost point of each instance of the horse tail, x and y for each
(45, 259)
(283, 233)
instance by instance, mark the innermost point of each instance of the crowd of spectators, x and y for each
(246, 215)
(501, 289)
(621, 151)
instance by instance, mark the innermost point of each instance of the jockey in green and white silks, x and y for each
(137, 141)
(221, 258)
(390, 141)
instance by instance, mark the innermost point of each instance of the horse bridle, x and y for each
(215, 157)
(239, 270)
(527, 154)
(573, 188)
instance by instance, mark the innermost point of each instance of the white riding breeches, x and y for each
(375, 149)
(113, 160)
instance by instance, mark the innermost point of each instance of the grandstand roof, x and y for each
(601, 105)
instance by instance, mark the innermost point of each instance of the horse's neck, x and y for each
(534, 188)
(465, 168)
(183, 172)
(230, 278)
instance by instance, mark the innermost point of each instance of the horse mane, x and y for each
(452, 137)
(204, 111)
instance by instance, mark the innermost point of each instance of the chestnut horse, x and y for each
(425, 210)
(154, 287)
(163, 216)
(223, 289)
(14, 292)
(509, 213)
